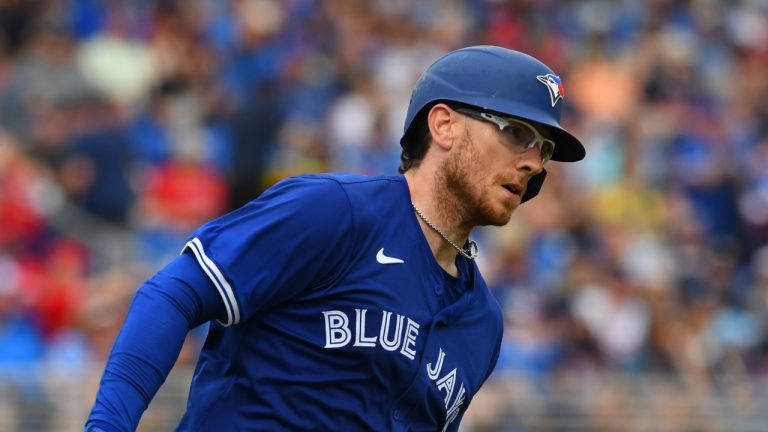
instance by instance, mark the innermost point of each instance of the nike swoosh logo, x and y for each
(383, 259)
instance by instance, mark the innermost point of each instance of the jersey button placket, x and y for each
(439, 289)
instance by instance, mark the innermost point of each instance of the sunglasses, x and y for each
(522, 135)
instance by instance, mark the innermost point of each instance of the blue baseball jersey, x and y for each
(338, 315)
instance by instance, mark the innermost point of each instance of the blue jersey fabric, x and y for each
(335, 315)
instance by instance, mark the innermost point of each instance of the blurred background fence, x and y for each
(635, 286)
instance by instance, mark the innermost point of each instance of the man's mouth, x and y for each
(514, 189)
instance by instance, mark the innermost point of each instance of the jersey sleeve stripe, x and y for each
(218, 279)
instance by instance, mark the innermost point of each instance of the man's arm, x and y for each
(178, 298)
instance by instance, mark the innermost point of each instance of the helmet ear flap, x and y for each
(534, 185)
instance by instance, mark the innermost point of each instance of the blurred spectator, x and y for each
(96, 162)
(21, 344)
(120, 66)
(22, 195)
(177, 196)
(617, 318)
(255, 127)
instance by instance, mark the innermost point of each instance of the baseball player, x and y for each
(346, 302)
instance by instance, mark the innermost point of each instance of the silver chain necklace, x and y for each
(469, 253)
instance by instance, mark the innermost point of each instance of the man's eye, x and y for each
(519, 133)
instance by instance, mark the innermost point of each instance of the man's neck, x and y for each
(426, 195)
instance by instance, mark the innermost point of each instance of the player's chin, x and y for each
(500, 213)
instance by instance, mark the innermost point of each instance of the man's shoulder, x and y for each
(350, 179)
(357, 187)
(368, 197)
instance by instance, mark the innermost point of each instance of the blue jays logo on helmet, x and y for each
(554, 85)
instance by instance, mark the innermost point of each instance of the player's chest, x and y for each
(389, 322)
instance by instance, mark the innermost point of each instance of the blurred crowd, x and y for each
(126, 124)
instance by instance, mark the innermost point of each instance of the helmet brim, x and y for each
(568, 148)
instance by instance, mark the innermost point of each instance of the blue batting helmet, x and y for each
(500, 80)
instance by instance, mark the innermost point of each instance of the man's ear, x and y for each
(441, 121)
